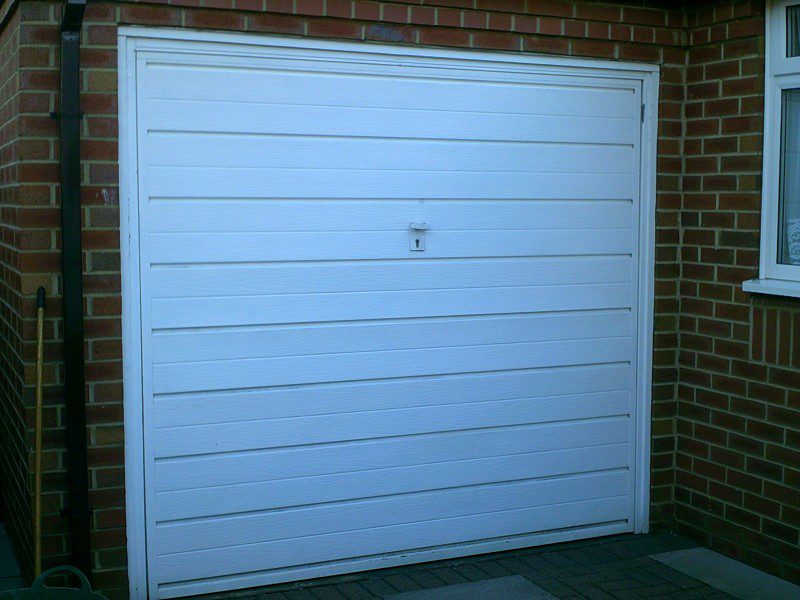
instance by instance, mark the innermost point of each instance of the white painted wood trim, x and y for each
(773, 287)
(769, 186)
(131, 328)
(647, 245)
(777, 61)
(132, 39)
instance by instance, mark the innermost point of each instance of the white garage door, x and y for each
(320, 395)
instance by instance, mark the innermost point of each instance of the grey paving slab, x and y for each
(514, 587)
(728, 575)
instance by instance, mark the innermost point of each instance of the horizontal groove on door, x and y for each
(357, 513)
(186, 248)
(175, 473)
(392, 304)
(353, 366)
(391, 538)
(221, 215)
(249, 435)
(177, 346)
(199, 183)
(525, 96)
(338, 398)
(260, 497)
(176, 149)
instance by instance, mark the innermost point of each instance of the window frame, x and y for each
(773, 134)
(781, 72)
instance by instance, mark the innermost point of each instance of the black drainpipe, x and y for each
(72, 285)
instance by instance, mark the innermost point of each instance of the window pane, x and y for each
(793, 31)
(789, 233)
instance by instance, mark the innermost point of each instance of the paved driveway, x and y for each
(611, 568)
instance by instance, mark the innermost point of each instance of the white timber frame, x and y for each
(135, 39)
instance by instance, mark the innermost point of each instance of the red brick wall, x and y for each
(13, 456)
(647, 30)
(24, 234)
(30, 259)
(738, 454)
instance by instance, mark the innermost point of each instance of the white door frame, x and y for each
(133, 39)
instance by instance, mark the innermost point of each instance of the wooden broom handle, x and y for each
(37, 452)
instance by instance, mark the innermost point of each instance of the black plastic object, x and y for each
(39, 591)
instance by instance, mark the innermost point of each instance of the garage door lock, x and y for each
(416, 239)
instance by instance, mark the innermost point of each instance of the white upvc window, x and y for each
(780, 222)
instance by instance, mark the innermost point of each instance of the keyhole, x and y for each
(417, 242)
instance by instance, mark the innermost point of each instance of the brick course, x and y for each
(13, 452)
(707, 223)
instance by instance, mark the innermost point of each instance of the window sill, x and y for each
(772, 287)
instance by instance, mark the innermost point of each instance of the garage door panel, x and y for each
(197, 281)
(171, 215)
(201, 182)
(344, 121)
(523, 94)
(187, 248)
(227, 469)
(318, 396)
(329, 399)
(346, 306)
(281, 152)
(395, 538)
(206, 502)
(267, 342)
(250, 373)
(253, 435)
(187, 536)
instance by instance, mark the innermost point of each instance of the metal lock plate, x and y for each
(416, 236)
